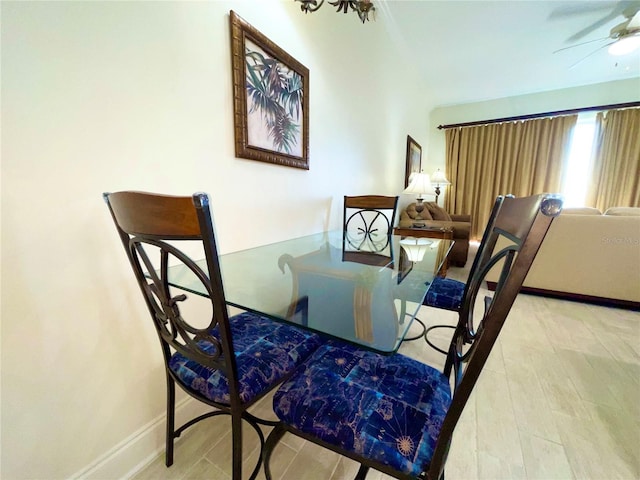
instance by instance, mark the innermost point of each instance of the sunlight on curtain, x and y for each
(578, 166)
(616, 165)
(520, 158)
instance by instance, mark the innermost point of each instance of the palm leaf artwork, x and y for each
(276, 93)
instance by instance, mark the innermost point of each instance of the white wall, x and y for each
(104, 96)
(621, 91)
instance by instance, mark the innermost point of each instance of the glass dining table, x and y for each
(364, 289)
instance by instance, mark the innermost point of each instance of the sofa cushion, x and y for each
(623, 211)
(581, 211)
(437, 212)
(595, 256)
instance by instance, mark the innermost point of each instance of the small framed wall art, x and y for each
(270, 99)
(414, 158)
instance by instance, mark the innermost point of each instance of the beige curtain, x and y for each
(616, 162)
(520, 158)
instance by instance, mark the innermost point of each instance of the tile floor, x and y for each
(558, 399)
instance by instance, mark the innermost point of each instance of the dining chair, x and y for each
(447, 293)
(226, 362)
(394, 413)
(368, 222)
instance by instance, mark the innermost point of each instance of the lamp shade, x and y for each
(438, 178)
(421, 184)
(415, 248)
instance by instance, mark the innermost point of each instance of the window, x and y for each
(576, 175)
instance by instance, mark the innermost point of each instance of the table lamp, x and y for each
(415, 248)
(438, 179)
(420, 184)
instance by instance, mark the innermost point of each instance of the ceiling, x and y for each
(470, 51)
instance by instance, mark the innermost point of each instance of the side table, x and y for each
(441, 233)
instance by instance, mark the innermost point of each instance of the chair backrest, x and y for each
(370, 214)
(483, 255)
(150, 226)
(367, 225)
(524, 222)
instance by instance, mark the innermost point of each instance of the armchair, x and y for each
(436, 217)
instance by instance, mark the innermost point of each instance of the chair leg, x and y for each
(171, 409)
(272, 440)
(236, 434)
(362, 472)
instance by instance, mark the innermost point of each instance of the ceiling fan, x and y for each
(624, 38)
(626, 35)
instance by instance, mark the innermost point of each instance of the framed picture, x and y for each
(414, 158)
(270, 99)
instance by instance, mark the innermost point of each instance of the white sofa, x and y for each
(589, 256)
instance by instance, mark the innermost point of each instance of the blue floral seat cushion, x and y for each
(265, 352)
(386, 408)
(445, 293)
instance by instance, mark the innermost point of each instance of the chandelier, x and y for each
(361, 7)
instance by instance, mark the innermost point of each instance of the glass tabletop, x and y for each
(365, 289)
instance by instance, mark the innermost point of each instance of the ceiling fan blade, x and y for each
(578, 44)
(578, 8)
(619, 9)
(587, 56)
(594, 26)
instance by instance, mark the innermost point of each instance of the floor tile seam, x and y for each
(503, 460)
(475, 430)
(335, 467)
(597, 311)
(576, 386)
(613, 357)
(597, 444)
(292, 447)
(192, 467)
(245, 454)
(581, 392)
(564, 451)
(512, 384)
(514, 416)
(540, 437)
(563, 413)
(590, 399)
(525, 428)
(284, 473)
(215, 444)
(597, 447)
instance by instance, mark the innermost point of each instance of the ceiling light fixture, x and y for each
(361, 7)
(626, 44)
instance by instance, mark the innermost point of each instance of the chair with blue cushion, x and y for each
(226, 362)
(447, 293)
(394, 413)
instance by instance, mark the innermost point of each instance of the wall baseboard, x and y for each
(576, 297)
(140, 448)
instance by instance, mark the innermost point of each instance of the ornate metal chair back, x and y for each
(524, 222)
(368, 223)
(149, 226)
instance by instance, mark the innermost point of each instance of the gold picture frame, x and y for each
(270, 99)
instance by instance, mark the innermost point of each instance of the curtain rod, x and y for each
(545, 114)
